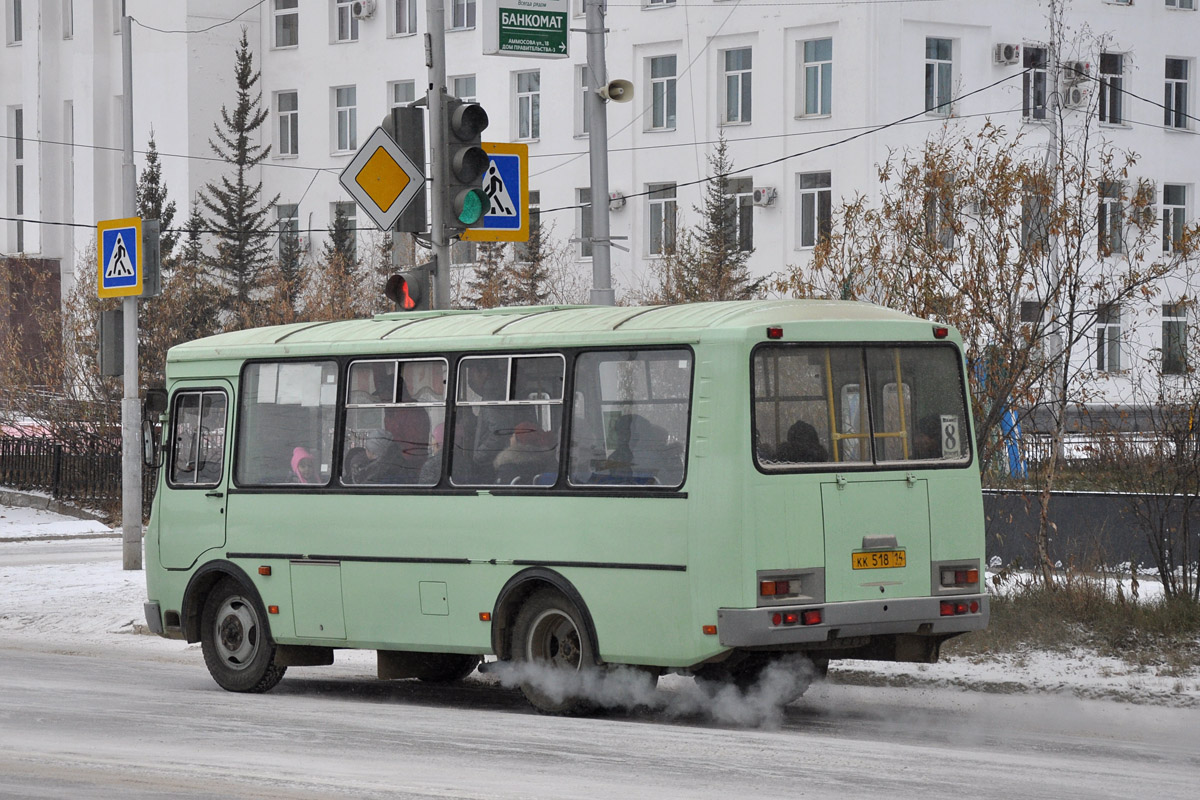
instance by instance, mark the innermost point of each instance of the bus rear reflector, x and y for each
(811, 617)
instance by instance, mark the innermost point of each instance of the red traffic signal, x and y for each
(409, 290)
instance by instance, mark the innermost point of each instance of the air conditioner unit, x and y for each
(1076, 95)
(363, 9)
(764, 195)
(1076, 71)
(1006, 53)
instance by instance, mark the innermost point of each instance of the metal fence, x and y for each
(83, 475)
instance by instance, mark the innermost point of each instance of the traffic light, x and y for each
(410, 290)
(464, 198)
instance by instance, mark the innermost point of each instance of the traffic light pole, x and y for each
(602, 292)
(439, 164)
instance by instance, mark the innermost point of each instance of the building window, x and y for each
(1188, 4)
(18, 139)
(815, 208)
(287, 23)
(655, 3)
(1174, 207)
(662, 93)
(938, 75)
(464, 87)
(68, 19)
(345, 22)
(1034, 82)
(1108, 338)
(1175, 105)
(346, 108)
(817, 77)
(404, 17)
(582, 121)
(288, 221)
(1174, 339)
(939, 212)
(350, 212)
(462, 14)
(660, 231)
(401, 93)
(529, 111)
(1035, 223)
(741, 200)
(1110, 223)
(15, 27)
(287, 106)
(737, 84)
(583, 201)
(1112, 68)
(535, 225)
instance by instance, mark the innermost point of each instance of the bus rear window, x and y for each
(858, 406)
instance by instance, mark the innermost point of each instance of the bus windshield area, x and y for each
(858, 406)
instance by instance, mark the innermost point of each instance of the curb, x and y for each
(17, 499)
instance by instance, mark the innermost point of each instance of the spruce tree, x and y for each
(528, 274)
(152, 200)
(238, 219)
(722, 272)
(488, 287)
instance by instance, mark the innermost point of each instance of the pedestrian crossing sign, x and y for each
(120, 250)
(506, 183)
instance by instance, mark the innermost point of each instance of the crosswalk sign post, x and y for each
(506, 183)
(120, 250)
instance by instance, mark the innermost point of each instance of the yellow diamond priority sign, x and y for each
(382, 179)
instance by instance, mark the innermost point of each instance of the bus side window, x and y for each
(198, 438)
(633, 425)
(285, 418)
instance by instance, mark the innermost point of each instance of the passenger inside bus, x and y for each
(803, 446)
(642, 455)
(304, 466)
(531, 457)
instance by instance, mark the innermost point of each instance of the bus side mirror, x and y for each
(151, 452)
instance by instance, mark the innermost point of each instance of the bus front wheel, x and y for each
(237, 646)
(553, 652)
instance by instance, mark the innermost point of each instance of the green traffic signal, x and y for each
(466, 202)
(471, 205)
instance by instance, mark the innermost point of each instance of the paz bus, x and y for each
(696, 489)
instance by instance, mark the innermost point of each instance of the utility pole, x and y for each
(602, 292)
(439, 165)
(131, 461)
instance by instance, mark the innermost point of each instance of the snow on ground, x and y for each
(37, 523)
(92, 602)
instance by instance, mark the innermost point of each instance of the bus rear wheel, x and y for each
(550, 640)
(237, 646)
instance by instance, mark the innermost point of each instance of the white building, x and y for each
(797, 89)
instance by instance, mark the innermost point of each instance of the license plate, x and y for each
(877, 559)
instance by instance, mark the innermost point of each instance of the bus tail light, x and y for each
(810, 617)
(940, 331)
(954, 608)
(779, 587)
(959, 577)
(774, 332)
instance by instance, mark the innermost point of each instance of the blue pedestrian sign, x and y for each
(120, 250)
(506, 183)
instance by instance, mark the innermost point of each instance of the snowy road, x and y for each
(91, 709)
(136, 722)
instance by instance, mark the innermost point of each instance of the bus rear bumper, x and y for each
(756, 627)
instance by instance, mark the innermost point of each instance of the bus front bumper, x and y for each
(757, 627)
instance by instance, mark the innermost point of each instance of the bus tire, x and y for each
(549, 633)
(238, 649)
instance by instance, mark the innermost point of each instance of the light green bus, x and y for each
(699, 489)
